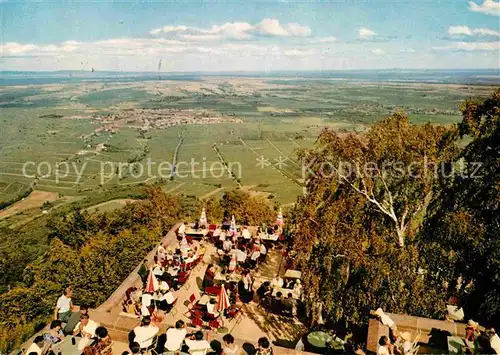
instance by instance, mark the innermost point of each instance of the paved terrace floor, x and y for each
(255, 322)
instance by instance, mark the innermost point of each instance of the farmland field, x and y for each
(51, 132)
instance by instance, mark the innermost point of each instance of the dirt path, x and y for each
(211, 193)
(35, 199)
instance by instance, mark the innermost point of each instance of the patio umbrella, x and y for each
(152, 284)
(222, 305)
(203, 219)
(233, 224)
(222, 300)
(279, 219)
(184, 243)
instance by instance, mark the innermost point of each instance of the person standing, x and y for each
(64, 306)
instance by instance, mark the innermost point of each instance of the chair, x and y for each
(214, 324)
(197, 322)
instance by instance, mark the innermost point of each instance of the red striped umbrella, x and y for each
(152, 284)
(223, 300)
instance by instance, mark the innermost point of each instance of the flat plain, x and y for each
(54, 136)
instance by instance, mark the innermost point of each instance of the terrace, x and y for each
(251, 322)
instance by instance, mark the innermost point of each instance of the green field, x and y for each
(45, 125)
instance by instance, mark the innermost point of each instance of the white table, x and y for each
(205, 299)
(269, 237)
(66, 347)
(292, 274)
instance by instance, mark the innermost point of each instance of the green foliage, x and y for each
(247, 209)
(461, 233)
(355, 229)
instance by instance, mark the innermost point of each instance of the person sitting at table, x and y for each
(245, 233)
(222, 236)
(277, 303)
(103, 345)
(147, 301)
(227, 245)
(175, 337)
(55, 334)
(86, 328)
(212, 312)
(196, 344)
(290, 305)
(37, 346)
(297, 288)
(74, 319)
(166, 301)
(144, 333)
(215, 348)
(161, 251)
(241, 256)
(290, 284)
(277, 282)
(471, 330)
(208, 278)
(264, 347)
(264, 292)
(230, 348)
(130, 307)
(134, 349)
(254, 258)
(262, 250)
(158, 268)
(245, 287)
(384, 346)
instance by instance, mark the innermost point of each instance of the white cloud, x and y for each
(378, 51)
(407, 50)
(489, 7)
(324, 40)
(365, 33)
(299, 52)
(470, 46)
(466, 31)
(236, 30)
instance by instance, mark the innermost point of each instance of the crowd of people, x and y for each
(146, 337)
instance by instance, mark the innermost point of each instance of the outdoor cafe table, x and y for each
(322, 341)
(196, 233)
(205, 299)
(228, 277)
(269, 237)
(66, 347)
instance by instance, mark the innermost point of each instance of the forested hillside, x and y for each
(396, 217)
(94, 253)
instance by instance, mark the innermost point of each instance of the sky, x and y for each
(249, 35)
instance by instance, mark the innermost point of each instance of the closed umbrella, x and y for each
(152, 284)
(279, 219)
(233, 224)
(222, 305)
(223, 300)
(203, 219)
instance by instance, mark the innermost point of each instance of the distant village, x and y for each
(147, 119)
(144, 120)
